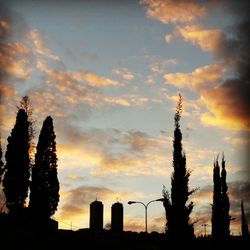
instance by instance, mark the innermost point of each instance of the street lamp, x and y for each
(146, 208)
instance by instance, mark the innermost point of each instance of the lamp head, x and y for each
(131, 202)
(161, 199)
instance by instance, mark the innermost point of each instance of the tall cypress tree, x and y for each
(177, 212)
(221, 206)
(244, 224)
(26, 104)
(225, 201)
(17, 167)
(1, 163)
(44, 192)
(216, 206)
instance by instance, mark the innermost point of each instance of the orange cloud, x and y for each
(205, 77)
(206, 39)
(226, 107)
(14, 60)
(40, 48)
(170, 11)
(93, 79)
(74, 204)
(5, 28)
(227, 104)
(140, 154)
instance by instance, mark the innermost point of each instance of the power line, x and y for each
(69, 224)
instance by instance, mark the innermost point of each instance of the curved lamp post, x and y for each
(146, 208)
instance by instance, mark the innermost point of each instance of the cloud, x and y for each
(206, 39)
(39, 46)
(222, 85)
(75, 204)
(170, 11)
(129, 153)
(201, 78)
(169, 38)
(239, 141)
(228, 105)
(78, 77)
(158, 67)
(14, 61)
(124, 73)
(77, 200)
(134, 225)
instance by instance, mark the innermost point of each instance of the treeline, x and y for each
(24, 175)
(177, 210)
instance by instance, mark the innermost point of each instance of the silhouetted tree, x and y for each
(225, 201)
(177, 212)
(44, 190)
(1, 163)
(221, 206)
(216, 206)
(26, 104)
(17, 167)
(244, 224)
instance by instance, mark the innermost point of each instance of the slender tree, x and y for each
(221, 206)
(244, 224)
(44, 193)
(26, 104)
(1, 163)
(216, 206)
(225, 201)
(17, 167)
(177, 212)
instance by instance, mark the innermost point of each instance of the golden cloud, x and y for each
(207, 76)
(206, 39)
(170, 11)
(83, 87)
(140, 154)
(227, 103)
(227, 106)
(93, 79)
(75, 203)
(14, 60)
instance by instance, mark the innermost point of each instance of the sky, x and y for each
(109, 74)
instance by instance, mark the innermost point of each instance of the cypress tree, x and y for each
(44, 192)
(225, 201)
(221, 206)
(26, 105)
(177, 212)
(17, 167)
(244, 224)
(216, 206)
(1, 163)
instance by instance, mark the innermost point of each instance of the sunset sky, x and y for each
(109, 74)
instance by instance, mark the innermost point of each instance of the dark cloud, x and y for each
(237, 48)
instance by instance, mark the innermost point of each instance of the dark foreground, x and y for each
(85, 239)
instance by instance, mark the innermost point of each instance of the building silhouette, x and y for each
(96, 216)
(117, 217)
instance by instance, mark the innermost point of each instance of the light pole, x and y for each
(146, 210)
